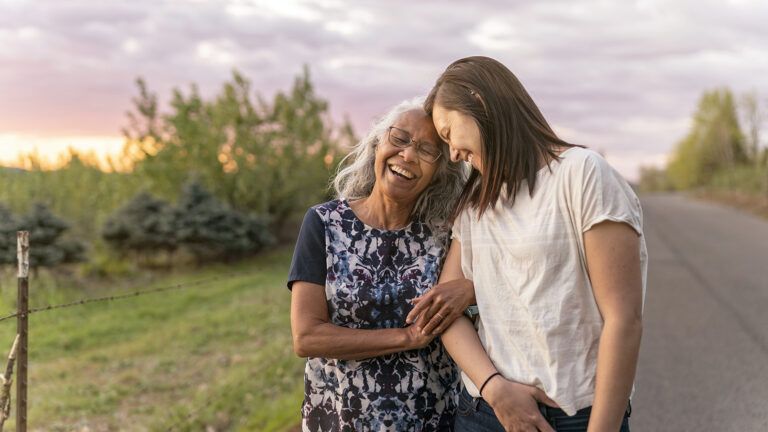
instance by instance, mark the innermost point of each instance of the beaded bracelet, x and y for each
(486, 382)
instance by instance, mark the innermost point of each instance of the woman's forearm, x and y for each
(463, 344)
(332, 341)
(616, 365)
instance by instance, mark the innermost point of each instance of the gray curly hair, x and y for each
(355, 176)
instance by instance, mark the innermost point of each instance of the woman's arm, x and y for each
(447, 300)
(442, 305)
(315, 336)
(613, 262)
(514, 403)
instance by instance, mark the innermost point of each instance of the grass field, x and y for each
(210, 357)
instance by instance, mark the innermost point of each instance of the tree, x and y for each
(211, 231)
(144, 226)
(258, 157)
(47, 246)
(303, 144)
(715, 142)
(653, 179)
(144, 127)
(9, 225)
(753, 116)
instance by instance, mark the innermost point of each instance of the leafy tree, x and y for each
(753, 115)
(143, 226)
(265, 158)
(714, 142)
(47, 246)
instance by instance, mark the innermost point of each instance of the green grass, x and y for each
(213, 356)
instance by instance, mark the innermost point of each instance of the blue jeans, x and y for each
(475, 415)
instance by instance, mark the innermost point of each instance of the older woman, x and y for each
(359, 262)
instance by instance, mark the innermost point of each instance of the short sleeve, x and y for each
(461, 232)
(309, 256)
(456, 228)
(606, 196)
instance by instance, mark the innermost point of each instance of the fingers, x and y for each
(542, 397)
(521, 428)
(428, 315)
(421, 304)
(542, 425)
(450, 317)
(435, 303)
(437, 320)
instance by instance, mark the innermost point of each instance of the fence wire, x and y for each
(130, 295)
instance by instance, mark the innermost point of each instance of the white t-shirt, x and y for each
(539, 321)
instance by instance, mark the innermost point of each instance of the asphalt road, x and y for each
(704, 356)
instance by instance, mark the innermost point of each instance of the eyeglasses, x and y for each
(402, 139)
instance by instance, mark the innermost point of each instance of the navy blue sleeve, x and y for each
(308, 263)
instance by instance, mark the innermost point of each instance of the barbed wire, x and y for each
(178, 286)
(129, 295)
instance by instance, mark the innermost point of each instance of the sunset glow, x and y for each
(622, 77)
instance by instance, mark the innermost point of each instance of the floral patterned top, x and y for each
(370, 277)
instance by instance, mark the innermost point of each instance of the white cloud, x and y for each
(28, 32)
(293, 9)
(216, 51)
(131, 46)
(498, 35)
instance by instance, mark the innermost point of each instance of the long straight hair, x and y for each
(516, 139)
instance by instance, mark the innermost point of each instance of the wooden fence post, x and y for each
(21, 322)
(6, 378)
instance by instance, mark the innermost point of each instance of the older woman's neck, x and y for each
(381, 212)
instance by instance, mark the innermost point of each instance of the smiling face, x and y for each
(462, 135)
(400, 174)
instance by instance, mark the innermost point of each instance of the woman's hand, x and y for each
(416, 338)
(516, 406)
(314, 335)
(439, 308)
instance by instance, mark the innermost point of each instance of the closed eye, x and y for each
(445, 134)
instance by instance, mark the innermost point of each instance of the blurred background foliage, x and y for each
(722, 155)
(205, 179)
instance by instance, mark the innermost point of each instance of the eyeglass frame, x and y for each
(412, 142)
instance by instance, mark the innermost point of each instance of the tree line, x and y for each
(722, 150)
(212, 178)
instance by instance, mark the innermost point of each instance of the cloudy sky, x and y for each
(620, 76)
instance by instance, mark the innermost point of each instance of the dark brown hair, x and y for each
(516, 139)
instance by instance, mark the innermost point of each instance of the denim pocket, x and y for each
(465, 407)
(625, 424)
